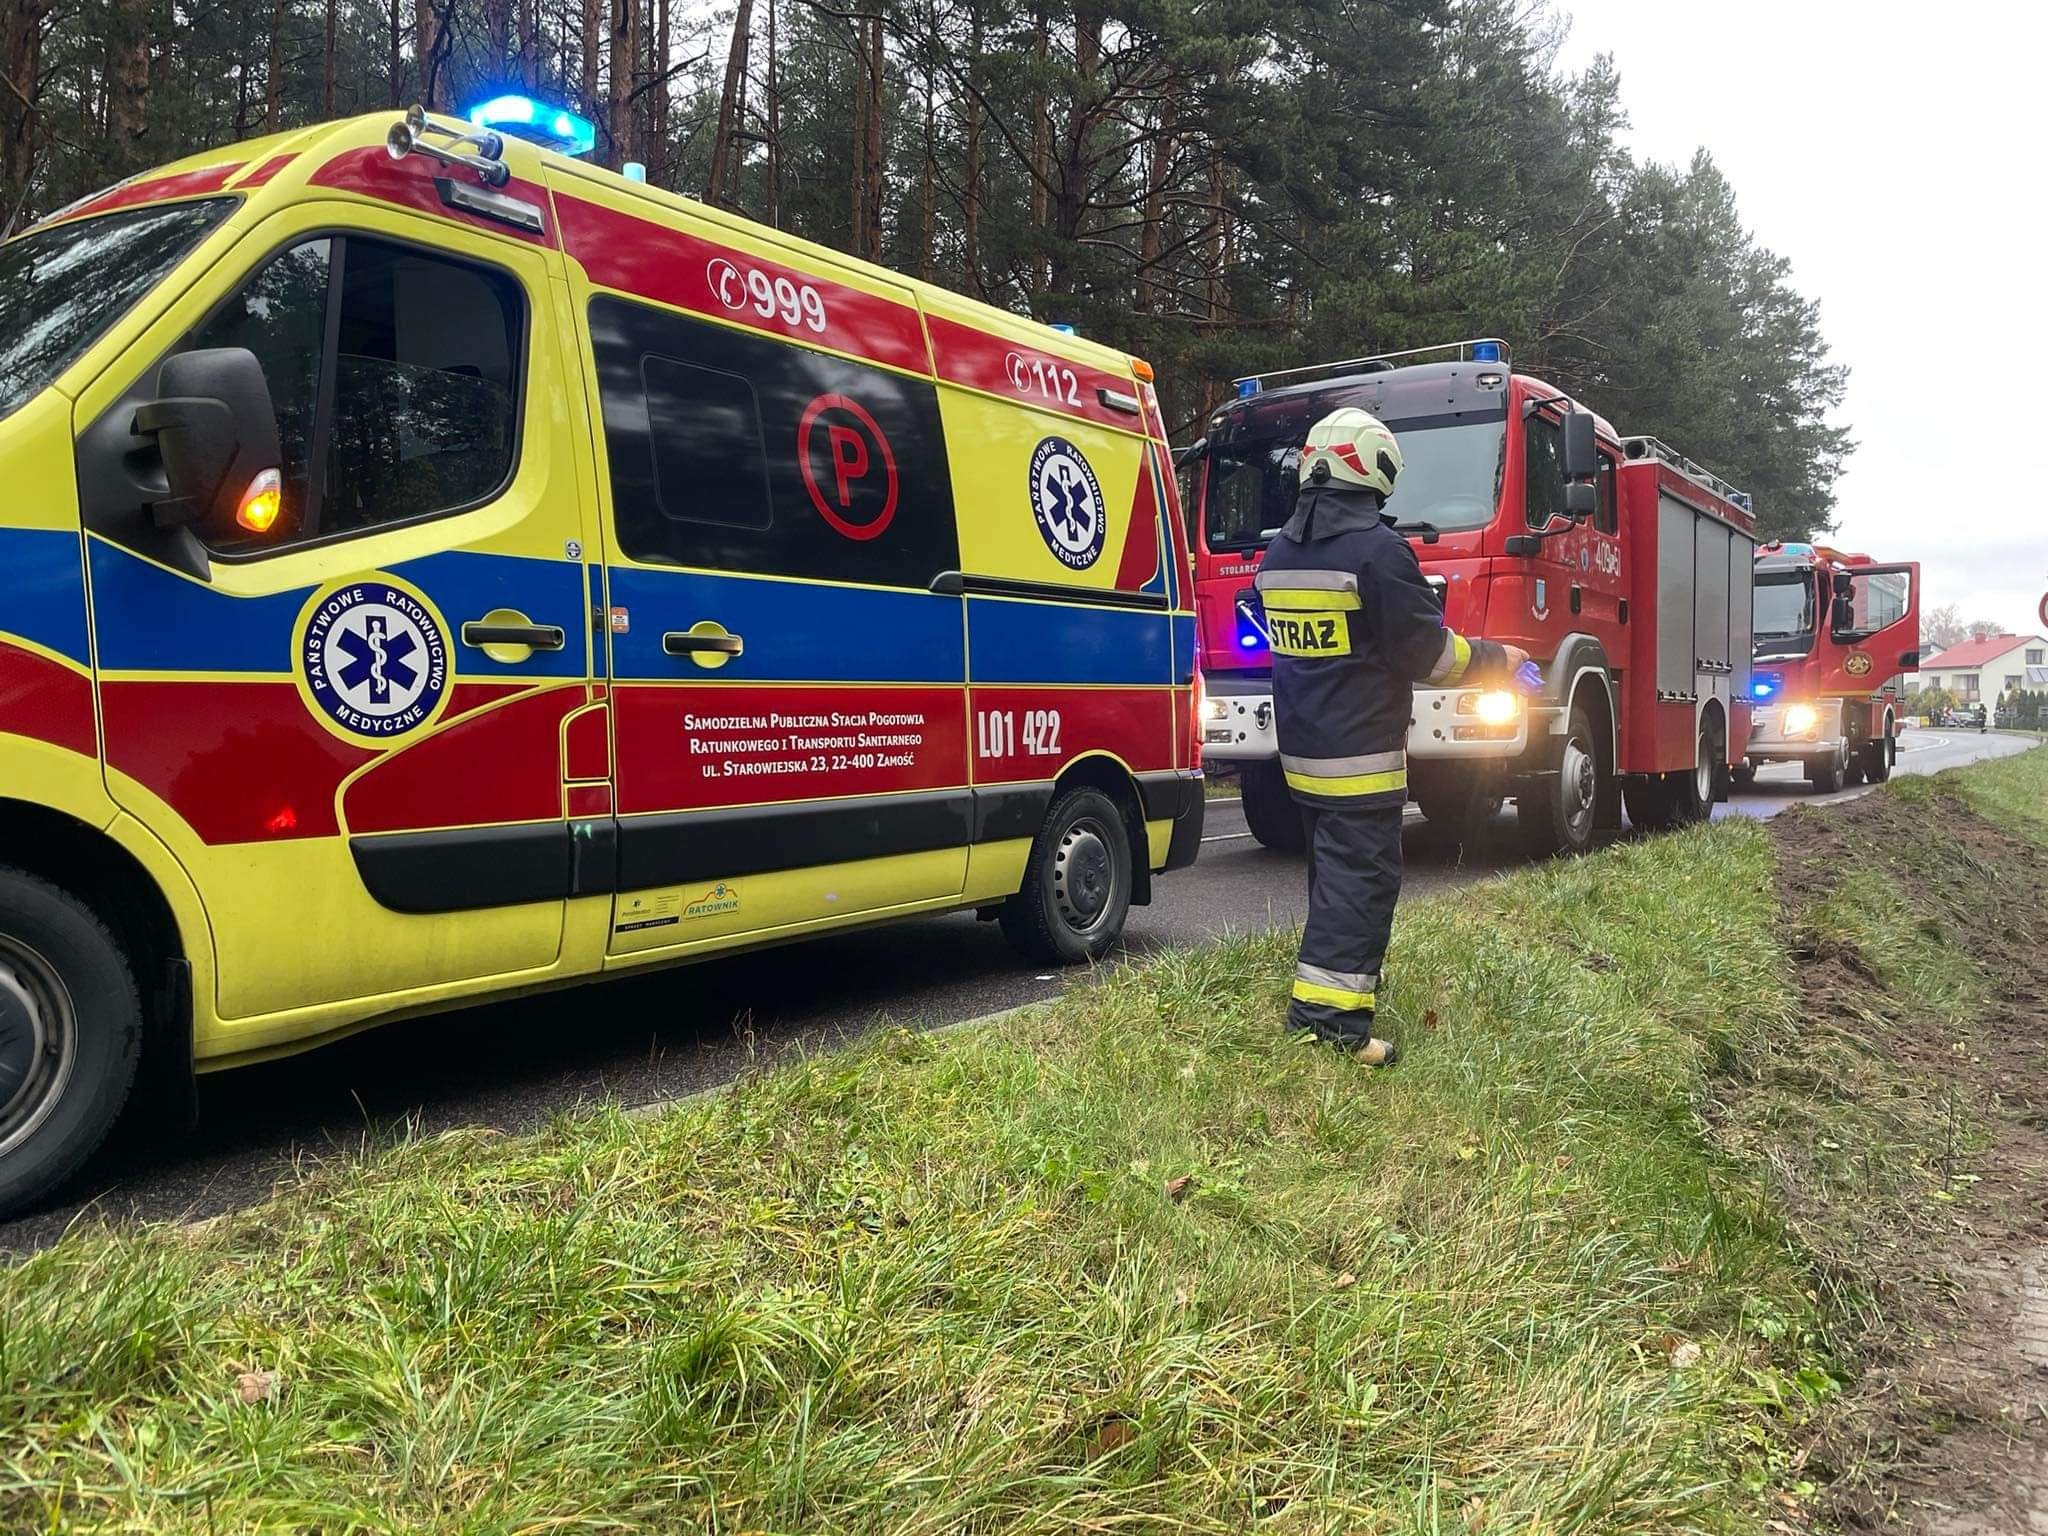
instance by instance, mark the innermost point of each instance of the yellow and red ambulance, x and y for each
(435, 567)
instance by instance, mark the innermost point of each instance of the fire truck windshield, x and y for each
(1450, 477)
(1784, 605)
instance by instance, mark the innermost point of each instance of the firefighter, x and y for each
(1354, 627)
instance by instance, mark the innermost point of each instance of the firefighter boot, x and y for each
(1354, 882)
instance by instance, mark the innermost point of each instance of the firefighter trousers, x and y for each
(1354, 880)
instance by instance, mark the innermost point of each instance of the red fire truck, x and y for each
(1622, 567)
(1833, 633)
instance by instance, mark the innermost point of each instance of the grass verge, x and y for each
(1132, 1263)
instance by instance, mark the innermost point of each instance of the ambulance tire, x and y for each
(1559, 812)
(1077, 884)
(70, 1036)
(1270, 809)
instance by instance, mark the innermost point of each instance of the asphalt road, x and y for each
(512, 1065)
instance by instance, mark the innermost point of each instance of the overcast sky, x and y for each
(1893, 155)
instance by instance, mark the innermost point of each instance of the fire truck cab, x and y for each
(1833, 633)
(1620, 566)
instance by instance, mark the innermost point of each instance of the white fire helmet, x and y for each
(1351, 447)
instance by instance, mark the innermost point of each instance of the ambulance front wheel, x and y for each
(1077, 885)
(70, 1036)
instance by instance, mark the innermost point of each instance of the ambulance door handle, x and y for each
(539, 637)
(683, 642)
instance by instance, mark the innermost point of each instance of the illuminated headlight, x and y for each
(1800, 719)
(1495, 707)
(1215, 709)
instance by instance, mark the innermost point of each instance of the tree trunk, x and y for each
(273, 93)
(395, 27)
(1070, 197)
(128, 81)
(529, 46)
(1152, 239)
(774, 127)
(857, 193)
(1219, 238)
(715, 183)
(928, 232)
(498, 36)
(873, 177)
(327, 66)
(658, 137)
(21, 35)
(428, 27)
(625, 16)
(970, 199)
(1041, 143)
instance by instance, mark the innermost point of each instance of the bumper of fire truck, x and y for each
(1238, 722)
(1771, 742)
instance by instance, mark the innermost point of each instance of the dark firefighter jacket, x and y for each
(1354, 627)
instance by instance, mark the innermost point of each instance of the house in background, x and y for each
(1987, 669)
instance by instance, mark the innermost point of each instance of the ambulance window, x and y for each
(280, 315)
(395, 377)
(709, 462)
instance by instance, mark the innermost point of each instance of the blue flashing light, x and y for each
(524, 118)
(1248, 642)
(1064, 329)
(1486, 352)
(1246, 388)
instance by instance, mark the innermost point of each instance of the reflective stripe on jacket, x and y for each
(1353, 627)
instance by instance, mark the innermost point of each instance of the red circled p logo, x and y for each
(847, 466)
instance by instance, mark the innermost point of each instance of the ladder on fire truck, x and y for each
(1656, 448)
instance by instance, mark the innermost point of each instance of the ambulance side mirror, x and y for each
(216, 431)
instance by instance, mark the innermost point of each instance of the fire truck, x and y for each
(1833, 633)
(1622, 567)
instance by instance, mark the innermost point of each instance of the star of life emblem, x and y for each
(1066, 503)
(374, 659)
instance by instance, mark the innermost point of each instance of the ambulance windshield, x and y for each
(1784, 604)
(62, 287)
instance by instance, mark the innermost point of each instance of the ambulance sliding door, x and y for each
(789, 711)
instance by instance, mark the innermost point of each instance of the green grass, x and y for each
(1132, 1263)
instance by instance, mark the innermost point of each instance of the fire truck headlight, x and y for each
(1496, 707)
(1800, 719)
(1215, 709)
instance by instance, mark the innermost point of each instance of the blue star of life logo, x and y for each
(1066, 503)
(374, 659)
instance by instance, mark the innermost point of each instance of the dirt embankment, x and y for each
(1933, 1024)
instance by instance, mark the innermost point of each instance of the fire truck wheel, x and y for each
(1270, 809)
(1878, 758)
(1743, 774)
(1825, 774)
(1693, 792)
(1077, 885)
(1460, 803)
(70, 1036)
(1558, 813)
(1652, 803)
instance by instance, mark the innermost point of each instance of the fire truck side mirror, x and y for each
(1580, 499)
(216, 430)
(1581, 447)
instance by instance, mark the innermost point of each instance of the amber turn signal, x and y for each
(262, 502)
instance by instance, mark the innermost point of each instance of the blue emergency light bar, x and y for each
(1763, 687)
(1485, 351)
(538, 123)
(1246, 388)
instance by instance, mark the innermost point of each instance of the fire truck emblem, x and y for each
(1857, 664)
(1066, 503)
(373, 660)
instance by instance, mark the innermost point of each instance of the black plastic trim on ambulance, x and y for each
(955, 583)
(467, 868)
(673, 848)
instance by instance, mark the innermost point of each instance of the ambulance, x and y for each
(434, 568)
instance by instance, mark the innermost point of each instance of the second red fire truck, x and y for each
(1833, 633)
(1619, 565)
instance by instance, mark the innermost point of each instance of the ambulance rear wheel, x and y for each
(1558, 812)
(70, 1036)
(1077, 885)
(1270, 809)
